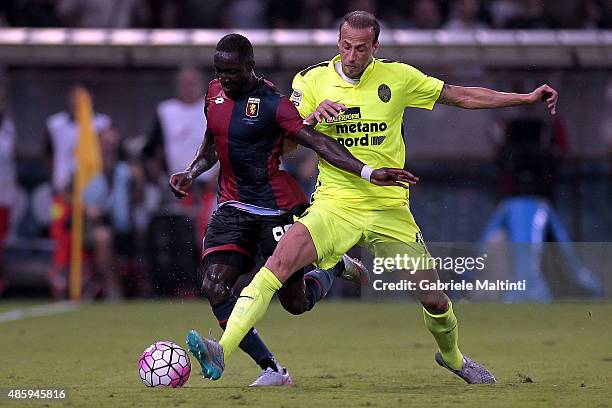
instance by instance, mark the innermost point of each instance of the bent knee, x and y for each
(295, 306)
(215, 285)
(435, 302)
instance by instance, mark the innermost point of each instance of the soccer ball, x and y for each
(164, 364)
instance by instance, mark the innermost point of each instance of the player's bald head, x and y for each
(361, 20)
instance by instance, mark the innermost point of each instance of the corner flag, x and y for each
(89, 164)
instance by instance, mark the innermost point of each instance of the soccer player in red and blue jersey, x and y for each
(249, 123)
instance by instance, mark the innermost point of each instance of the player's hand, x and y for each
(546, 94)
(326, 110)
(180, 183)
(392, 177)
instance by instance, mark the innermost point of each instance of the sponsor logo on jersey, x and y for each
(252, 107)
(377, 140)
(296, 97)
(349, 114)
(360, 127)
(363, 129)
(364, 140)
(219, 100)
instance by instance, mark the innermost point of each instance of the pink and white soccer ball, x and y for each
(164, 364)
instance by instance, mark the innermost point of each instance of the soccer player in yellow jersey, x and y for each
(360, 100)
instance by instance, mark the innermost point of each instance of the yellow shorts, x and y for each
(387, 233)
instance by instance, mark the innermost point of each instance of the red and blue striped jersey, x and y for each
(248, 135)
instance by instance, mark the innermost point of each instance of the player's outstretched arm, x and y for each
(337, 155)
(485, 98)
(206, 157)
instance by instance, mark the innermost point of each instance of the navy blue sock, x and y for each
(251, 343)
(319, 282)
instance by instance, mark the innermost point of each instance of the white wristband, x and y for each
(366, 172)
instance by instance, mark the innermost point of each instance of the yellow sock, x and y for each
(446, 332)
(250, 307)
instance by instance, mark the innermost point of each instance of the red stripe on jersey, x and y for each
(287, 191)
(219, 126)
(288, 118)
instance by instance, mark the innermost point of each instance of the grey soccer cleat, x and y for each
(209, 354)
(354, 271)
(471, 371)
(271, 378)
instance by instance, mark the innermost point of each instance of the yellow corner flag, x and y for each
(89, 164)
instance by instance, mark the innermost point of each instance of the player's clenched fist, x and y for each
(180, 183)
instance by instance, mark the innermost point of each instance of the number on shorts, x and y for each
(279, 231)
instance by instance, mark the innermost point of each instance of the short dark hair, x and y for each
(237, 43)
(361, 19)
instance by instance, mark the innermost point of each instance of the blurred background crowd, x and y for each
(246, 14)
(139, 240)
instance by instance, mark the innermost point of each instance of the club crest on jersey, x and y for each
(252, 107)
(384, 93)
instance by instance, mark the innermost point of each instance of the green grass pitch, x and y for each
(341, 354)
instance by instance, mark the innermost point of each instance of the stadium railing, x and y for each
(156, 47)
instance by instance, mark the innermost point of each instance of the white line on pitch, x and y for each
(35, 311)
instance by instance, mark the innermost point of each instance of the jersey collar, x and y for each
(341, 82)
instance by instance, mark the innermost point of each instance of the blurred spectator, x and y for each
(371, 6)
(178, 131)
(102, 14)
(62, 137)
(30, 13)
(605, 20)
(528, 159)
(185, 13)
(109, 200)
(533, 16)
(396, 13)
(502, 11)
(247, 14)
(425, 15)
(5, 13)
(8, 175)
(466, 16)
(287, 15)
(571, 14)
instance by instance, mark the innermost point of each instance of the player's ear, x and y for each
(375, 47)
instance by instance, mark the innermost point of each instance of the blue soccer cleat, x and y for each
(209, 354)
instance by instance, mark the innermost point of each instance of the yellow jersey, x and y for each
(371, 127)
